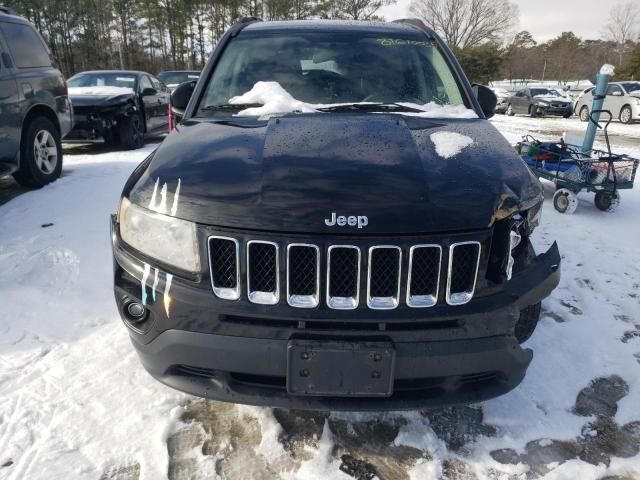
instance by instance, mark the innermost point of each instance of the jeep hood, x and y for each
(289, 173)
(99, 96)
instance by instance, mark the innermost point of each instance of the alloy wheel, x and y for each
(45, 152)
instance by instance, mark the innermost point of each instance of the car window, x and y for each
(321, 68)
(614, 90)
(103, 79)
(520, 93)
(175, 78)
(145, 83)
(631, 86)
(25, 45)
(158, 85)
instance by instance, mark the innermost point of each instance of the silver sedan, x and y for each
(622, 100)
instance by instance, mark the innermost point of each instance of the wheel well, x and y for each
(35, 112)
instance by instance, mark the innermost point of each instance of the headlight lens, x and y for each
(168, 239)
(542, 104)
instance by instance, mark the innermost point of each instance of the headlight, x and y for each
(542, 104)
(168, 239)
(638, 101)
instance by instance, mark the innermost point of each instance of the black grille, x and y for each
(425, 270)
(343, 272)
(303, 270)
(463, 267)
(224, 269)
(384, 270)
(263, 274)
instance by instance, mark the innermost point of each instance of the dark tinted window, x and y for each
(175, 78)
(631, 86)
(157, 84)
(145, 83)
(25, 45)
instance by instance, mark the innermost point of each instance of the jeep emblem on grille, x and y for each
(351, 220)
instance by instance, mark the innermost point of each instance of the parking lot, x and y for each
(76, 403)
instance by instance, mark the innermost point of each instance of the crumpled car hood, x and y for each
(291, 173)
(99, 96)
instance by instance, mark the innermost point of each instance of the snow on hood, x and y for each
(449, 144)
(275, 99)
(99, 90)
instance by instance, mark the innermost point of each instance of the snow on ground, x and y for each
(75, 403)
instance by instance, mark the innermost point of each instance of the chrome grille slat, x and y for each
(303, 275)
(462, 273)
(383, 277)
(343, 277)
(423, 278)
(224, 267)
(340, 284)
(263, 272)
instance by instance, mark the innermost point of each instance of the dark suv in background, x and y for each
(35, 112)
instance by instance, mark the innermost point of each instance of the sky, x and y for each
(545, 19)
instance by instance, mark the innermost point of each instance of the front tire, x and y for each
(40, 154)
(510, 110)
(584, 114)
(607, 202)
(626, 115)
(132, 132)
(533, 111)
(565, 201)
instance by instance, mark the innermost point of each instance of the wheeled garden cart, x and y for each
(574, 170)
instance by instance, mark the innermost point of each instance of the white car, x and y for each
(622, 100)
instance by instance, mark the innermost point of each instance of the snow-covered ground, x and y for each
(75, 403)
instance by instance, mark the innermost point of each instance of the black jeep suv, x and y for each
(334, 224)
(34, 108)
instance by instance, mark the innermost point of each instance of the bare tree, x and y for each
(467, 23)
(622, 26)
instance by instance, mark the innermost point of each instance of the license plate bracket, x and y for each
(340, 368)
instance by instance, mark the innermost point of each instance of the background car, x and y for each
(622, 100)
(33, 100)
(539, 101)
(502, 95)
(174, 78)
(118, 106)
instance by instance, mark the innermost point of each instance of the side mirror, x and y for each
(180, 98)
(148, 92)
(486, 98)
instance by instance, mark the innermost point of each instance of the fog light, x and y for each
(136, 311)
(514, 241)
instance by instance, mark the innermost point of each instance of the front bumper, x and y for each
(560, 111)
(464, 354)
(90, 125)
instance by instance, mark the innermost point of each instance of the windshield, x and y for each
(101, 79)
(175, 78)
(329, 68)
(631, 87)
(543, 91)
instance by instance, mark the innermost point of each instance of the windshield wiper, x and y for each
(231, 106)
(369, 107)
